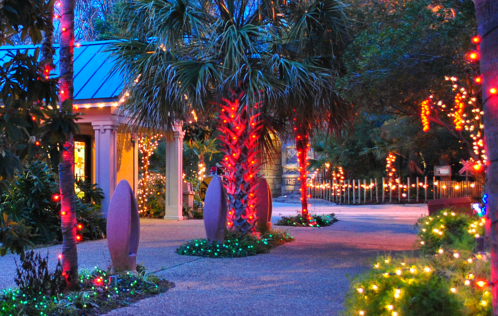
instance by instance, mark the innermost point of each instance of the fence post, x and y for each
(383, 189)
(354, 196)
(349, 193)
(376, 191)
(399, 189)
(365, 191)
(359, 191)
(371, 191)
(408, 189)
(434, 188)
(425, 187)
(416, 184)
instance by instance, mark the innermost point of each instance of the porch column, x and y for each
(105, 159)
(174, 175)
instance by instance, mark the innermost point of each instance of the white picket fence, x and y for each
(374, 191)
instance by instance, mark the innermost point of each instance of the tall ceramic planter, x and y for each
(123, 228)
(215, 210)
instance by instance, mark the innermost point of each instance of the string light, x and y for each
(239, 129)
(146, 145)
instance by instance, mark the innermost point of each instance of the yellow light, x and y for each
(440, 250)
(427, 269)
(456, 255)
(453, 290)
(413, 270)
(484, 303)
(398, 272)
(362, 313)
(375, 287)
(467, 282)
(390, 307)
(360, 290)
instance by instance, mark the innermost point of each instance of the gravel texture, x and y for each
(306, 277)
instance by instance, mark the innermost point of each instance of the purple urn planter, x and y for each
(123, 228)
(215, 210)
(264, 205)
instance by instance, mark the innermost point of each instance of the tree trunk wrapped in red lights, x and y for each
(66, 168)
(239, 143)
(302, 146)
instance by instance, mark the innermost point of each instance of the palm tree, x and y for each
(66, 169)
(254, 56)
(202, 148)
(487, 11)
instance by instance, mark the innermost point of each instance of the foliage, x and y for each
(32, 197)
(27, 17)
(404, 49)
(421, 287)
(236, 245)
(95, 296)
(91, 193)
(451, 280)
(317, 221)
(155, 200)
(24, 97)
(278, 54)
(90, 216)
(449, 229)
(33, 277)
(14, 236)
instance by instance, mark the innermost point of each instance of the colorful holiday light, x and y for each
(239, 138)
(424, 114)
(146, 145)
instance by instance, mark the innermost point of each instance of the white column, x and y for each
(105, 159)
(174, 173)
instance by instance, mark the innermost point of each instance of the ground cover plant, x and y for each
(236, 245)
(447, 279)
(42, 293)
(317, 220)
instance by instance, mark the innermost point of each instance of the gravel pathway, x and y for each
(305, 277)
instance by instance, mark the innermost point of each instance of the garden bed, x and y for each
(236, 245)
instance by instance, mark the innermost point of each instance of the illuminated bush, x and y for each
(442, 285)
(449, 229)
(449, 280)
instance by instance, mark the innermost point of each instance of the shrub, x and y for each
(449, 281)
(448, 229)
(34, 279)
(14, 236)
(96, 295)
(30, 198)
(439, 285)
(155, 196)
(33, 199)
(318, 220)
(236, 245)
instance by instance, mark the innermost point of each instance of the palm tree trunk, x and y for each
(487, 19)
(302, 146)
(66, 172)
(239, 141)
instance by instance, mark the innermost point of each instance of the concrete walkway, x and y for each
(305, 277)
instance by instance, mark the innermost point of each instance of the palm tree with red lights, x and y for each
(245, 59)
(66, 166)
(487, 13)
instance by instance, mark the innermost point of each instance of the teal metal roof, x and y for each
(92, 70)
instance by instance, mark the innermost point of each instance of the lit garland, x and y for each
(146, 145)
(391, 171)
(239, 138)
(459, 109)
(424, 114)
(302, 146)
